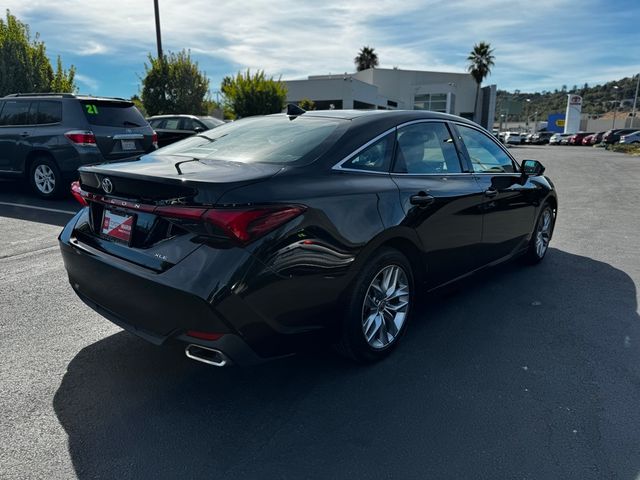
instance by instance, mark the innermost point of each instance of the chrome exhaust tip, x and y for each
(207, 355)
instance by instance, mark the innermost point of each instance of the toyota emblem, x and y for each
(107, 186)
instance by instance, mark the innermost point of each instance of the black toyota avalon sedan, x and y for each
(260, 237)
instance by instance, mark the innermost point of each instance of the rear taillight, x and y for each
(77, 193)
(241, 224)
(154, 139)
(84, 138)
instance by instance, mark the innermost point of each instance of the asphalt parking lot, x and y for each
(518, 373)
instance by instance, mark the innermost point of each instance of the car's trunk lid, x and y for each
(131, 202)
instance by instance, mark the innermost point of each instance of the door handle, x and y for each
(490, 192)
(24, 134)
(421, 199)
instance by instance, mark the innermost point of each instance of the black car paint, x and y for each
(288, 287)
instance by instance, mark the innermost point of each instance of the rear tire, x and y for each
(378, 307)
(539, 243)
(45, 178)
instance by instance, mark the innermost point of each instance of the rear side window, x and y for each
(112, 114)
(15, 113)
(156, 123)
(172, 124)
(426, 148)
(374, 158)
(47, 111)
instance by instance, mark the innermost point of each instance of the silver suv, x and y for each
(45, 137)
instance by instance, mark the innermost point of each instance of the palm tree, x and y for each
(367, 58)
(480, 63)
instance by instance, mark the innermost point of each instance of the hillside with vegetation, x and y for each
(596, 100)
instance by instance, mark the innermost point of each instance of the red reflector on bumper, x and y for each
(204, 335)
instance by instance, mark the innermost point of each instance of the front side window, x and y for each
(486, 155)
(426, 148)
(15, 113)
(374, 158)
(156, 122)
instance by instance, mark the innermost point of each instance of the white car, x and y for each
(512, 138)
(557, 138)
(631, 137)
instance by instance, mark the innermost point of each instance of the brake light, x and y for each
(243, 225)
(154, 139)
(77, 193)
(248, 225)
(84, 138)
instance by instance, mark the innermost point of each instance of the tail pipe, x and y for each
(207, 355)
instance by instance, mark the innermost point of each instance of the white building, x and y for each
(381, 88)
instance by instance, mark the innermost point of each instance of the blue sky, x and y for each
(538, 44)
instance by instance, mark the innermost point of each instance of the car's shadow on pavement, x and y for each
(519, 373)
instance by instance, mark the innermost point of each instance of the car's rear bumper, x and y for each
(260, 314)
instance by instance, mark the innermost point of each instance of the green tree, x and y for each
(307, 104)
(174, 84)
(137, 101)
(63, 80)
(366, 58)
(24, 65)
(247, 94)
(480, 62)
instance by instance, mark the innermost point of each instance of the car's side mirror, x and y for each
(532, 168)
(198, 129)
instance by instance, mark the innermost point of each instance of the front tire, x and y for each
(45, 178)
(539, 243)
(378, 307)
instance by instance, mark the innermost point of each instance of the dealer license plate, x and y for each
(118, 227)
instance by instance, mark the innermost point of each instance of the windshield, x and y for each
(272, 139)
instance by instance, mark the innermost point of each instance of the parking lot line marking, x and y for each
(22, 205)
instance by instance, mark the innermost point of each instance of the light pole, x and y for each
(635, 100)
(615, 107)
(158, 36)
(526, 123)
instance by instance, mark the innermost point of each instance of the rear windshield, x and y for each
(112, 114)
(272, 139)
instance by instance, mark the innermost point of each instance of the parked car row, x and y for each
(46, 137)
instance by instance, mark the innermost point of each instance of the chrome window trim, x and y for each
(338, 166)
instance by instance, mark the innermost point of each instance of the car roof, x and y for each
(64, 95)
(184, 115)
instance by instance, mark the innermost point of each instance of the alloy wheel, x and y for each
(543, 235)
(385, 307)
(44, 178)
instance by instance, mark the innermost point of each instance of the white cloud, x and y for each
(91, 83)
(92, 48)
(541, 46)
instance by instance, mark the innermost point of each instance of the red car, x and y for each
(576, 138)
(587, 140)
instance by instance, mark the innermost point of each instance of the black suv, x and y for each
(171, 128)
(45, 137)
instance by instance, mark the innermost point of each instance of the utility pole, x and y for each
(615, 109)
(158, 36)
(635, 100)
